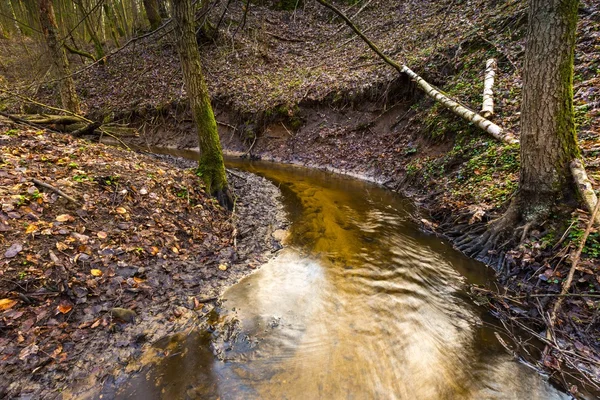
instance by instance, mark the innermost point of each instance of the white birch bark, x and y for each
(487, 108)
(471, 116)
(584, 187)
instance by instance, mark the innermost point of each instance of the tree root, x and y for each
(480, 240)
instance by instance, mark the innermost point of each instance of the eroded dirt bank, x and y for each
(130, 251)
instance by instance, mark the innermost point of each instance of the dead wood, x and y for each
(569, 280)
(55, 190)
(430, 90)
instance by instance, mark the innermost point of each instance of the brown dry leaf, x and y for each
(65, 218)
(121, 210)
(154, 251)
(96, 272)
(138, 280)
(175, 250)
(61, 246)
(64, 307)
(5, 304)
(30, 229)
(102, 235)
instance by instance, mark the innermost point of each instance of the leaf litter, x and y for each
(73, 276)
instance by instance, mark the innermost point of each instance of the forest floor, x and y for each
(132, 250)
(298, 87)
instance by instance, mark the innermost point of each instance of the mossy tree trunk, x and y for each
(68, 94)
(152, 12)
(548, 137)
(211, 166)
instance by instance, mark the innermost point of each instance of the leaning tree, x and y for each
(211, 166)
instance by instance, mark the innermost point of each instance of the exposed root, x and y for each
(484, 238)
(224, 197)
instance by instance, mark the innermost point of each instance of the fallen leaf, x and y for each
(64, 307)
(138, 280)
(13, 250)
(5, 304)
(65, 218)
(27, 351)
(96, 272)
(30, 229)
(222, 267)
(175, 250)
(121, 210)
(102, 235)
(61, 246)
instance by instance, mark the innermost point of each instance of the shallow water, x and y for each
(360, 305)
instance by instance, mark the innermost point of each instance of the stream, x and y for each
(359, 305)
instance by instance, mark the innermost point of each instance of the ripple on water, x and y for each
(361, 306)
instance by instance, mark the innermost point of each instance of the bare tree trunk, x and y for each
(211, 167)
(548, 137)
(14, 17)
(68, 94)
(151, 7)
(162, 9)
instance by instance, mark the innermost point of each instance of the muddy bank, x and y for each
(139, 252)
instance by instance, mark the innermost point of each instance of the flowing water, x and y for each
(360, 305)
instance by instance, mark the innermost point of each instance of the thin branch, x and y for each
(32, 101)
(55, 190)
(569, 281)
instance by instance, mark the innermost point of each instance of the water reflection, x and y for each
(361, 305)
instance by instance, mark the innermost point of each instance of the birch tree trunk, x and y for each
(455, 107)
(60, 62)
(211, 166)
(487, 108)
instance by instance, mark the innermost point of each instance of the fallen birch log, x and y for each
(458, 109)
(584, 187)
(471, 116)
(487, 107)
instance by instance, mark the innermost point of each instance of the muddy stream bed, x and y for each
(359, 305)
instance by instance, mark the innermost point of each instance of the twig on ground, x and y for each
(55, 190)
(569, 280)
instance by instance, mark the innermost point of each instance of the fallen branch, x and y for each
(436, 94)
(55, 190)
(88, 129)
(43, 119)
(584, 188)
(487, 108)
(18, 120)
(32, 101)
(567, 284)
(229, 171)
(82, 53)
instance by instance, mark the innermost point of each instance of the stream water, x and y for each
(360, 305)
